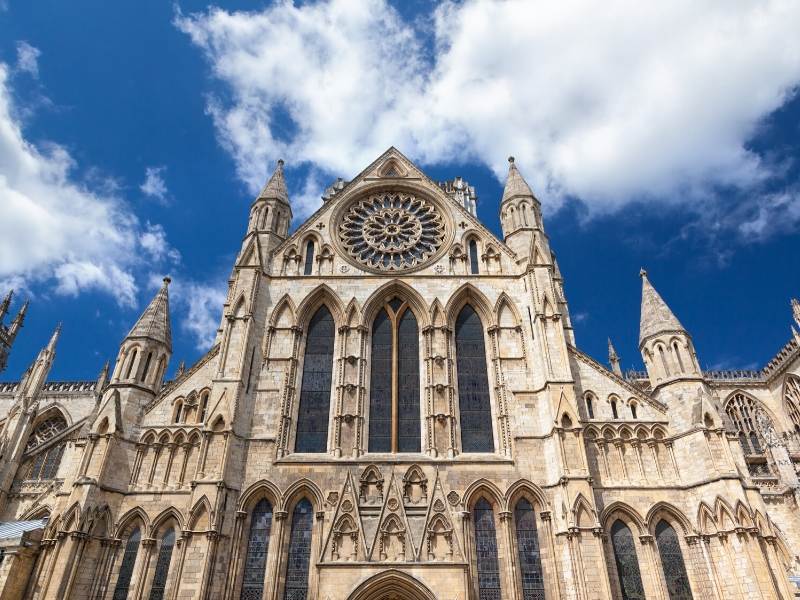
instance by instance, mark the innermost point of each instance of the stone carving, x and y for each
(453, 498)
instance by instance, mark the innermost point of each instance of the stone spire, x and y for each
(656, 316)
(5, 304)
(275, 189)
(516, 186)
(154, 323)
(613, 359)
(796, 310)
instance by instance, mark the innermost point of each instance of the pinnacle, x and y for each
(656, 316)
(515, 183)
(275, 188)
(51, 345)
(612, 352)
(154, 323)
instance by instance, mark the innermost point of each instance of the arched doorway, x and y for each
(392, 585)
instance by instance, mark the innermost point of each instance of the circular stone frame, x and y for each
(445, 239)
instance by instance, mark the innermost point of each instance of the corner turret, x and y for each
(521, 219)
(9, 334)
(270, 217)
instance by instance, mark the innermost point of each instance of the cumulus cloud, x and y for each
(609, 102)
(28, 58)
(55, 229)
(154, 184)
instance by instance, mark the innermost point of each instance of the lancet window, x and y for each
(473, 383)
(162, 565)
(669, 550)
(126, 567)
(743, 411)
(255, 561)
(299, 552)
(473, 257)
(486, 551)
(315, 391)
(792, 395)
(308, 268)
(530, 559)
(630, 579)
(394, 409)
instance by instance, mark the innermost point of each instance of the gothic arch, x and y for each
(72, 518)
(40, 511)
(56, 409)
(437, 313)
(134, 515)
(757, 403)
(744, 516)
(669, 513)
(200, 510)
(284, 312)
(239, 307)
(581, 511)
(725, 519)
(302, 488)
(525, 487)
(255, 492)
(392, 584)
(706, 521)
(469, 294)
(322, 294)
(505, 302)
(627, 514)
(352, 313)
(164, 517)
(398, 288)
(483, 488)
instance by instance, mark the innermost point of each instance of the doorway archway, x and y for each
(392, 585)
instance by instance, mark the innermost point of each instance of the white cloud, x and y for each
(153, 240)
(58, 230)
(154, 184)
(610, 101)
(28, 58)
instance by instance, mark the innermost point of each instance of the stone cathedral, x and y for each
(395, 408)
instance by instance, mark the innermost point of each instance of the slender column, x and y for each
(652, 570)
(147, 545)
(235, 552)
(511, 568)
(555, 587)
(171, 448)
(208, 565)
(73, 565)
(183, 544)
(671, 451)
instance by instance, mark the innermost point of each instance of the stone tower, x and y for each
(9, 333)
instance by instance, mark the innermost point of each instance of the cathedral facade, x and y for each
(395, 407)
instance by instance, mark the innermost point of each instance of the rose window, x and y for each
(392, 231)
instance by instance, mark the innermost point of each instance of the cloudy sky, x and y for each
(134, 135)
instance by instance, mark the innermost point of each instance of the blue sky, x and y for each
(133, 137)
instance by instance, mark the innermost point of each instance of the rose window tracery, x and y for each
(391, 231)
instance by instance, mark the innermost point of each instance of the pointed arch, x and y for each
(256, 491)
(284, 313)
(164, 517)
(37, 511)
(391, 583)
(522, 487)
(744, 516)
(666, 511)
(469, 294)
(791, 399)
(706, 521)
(725, 519)
(619, 510)
(299, 550)
(302, 488)
(484, 488)
(626, 560)
(402, 290)
(200, 515)
(133, 516)
(583, 514)
(239, 306)
(352, 313)
(437, 318)
(320, 295)
(503, 304)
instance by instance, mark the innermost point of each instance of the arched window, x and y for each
(742, 410)
(633, 410)
(589, 407)
(664, 364)
(486, 551)
(126, 567)
(473, 257)
(614, 412)
(394, 421)
(473, 383)
(630, 580)
(46, 430)
(201, 415)
(677, 352)
(299, 552)
(315, 393)
(178, 411)
(309, 265)
(255, 561)
(530, 560)
(130, 364)
(162, 565)
(46, 463)
(147, 367)
(792, 395)
(669, 549)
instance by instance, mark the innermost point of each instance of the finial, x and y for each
(181, 368)
(280, 163)
(167, 280)
(642, 272)
(511, 160)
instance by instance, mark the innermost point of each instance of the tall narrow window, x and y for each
(178, 411)
(52, 462)
(126, 567)
(486, 551)
(130, 364)
(255, 562)
(473, 383)
(743, 410)
(664, 364)
(677, 352)
(162, 565)
(530, 560)
(589, 407)
(147, 367)
(309, 266)
(315, 393)
(299, 552)
(394, 420)
(614, 412)
(473, 257)
(633, 410)
(630, 579)
(201, 415)
(669, 549)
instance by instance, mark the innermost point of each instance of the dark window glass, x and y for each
(630, 580)
(380, 395)
(473, 257)
(126, 568)
(408, 383)
(162, 565)
(589, 407)
(486, 552)
(614, 409)
(309, 266)
(147, 366)
(473, 383)
(36, 468)
(299, 552)
(755, 444)
(530, 559)
(255, 561)
(130, 365)
(203, 407)
(315, 393)
(52, 462)
(669, 549)
(633, 411)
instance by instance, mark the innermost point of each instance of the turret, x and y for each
(9, 334)
(613, 359)
(665, 344)
(796, 310)
(145, 352)
(521, 219)
(270, 214)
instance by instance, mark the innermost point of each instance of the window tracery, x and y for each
(126, 567)
(162, 565)
(630, 579)
(530, 560)
(315, 391)
(669, 549)
(47, 429)
(46, 463)
(486, 551)
(255, 561)
(473, 383)
(392, 231)
(743, 411)
(299, 552)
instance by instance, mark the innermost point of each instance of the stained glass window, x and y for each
(530, 559)
(255, 561)
(309, 266)
(315, 393)
(669, 549)
(486, 551)
(742, 410)
(299, 552)
(46, 430)
(473, 383)
(408, 384)
(473, 257)
(52, 462)
(630, 580)
(394, 375)
(162, 565)
(126, 567)
(380, 402)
